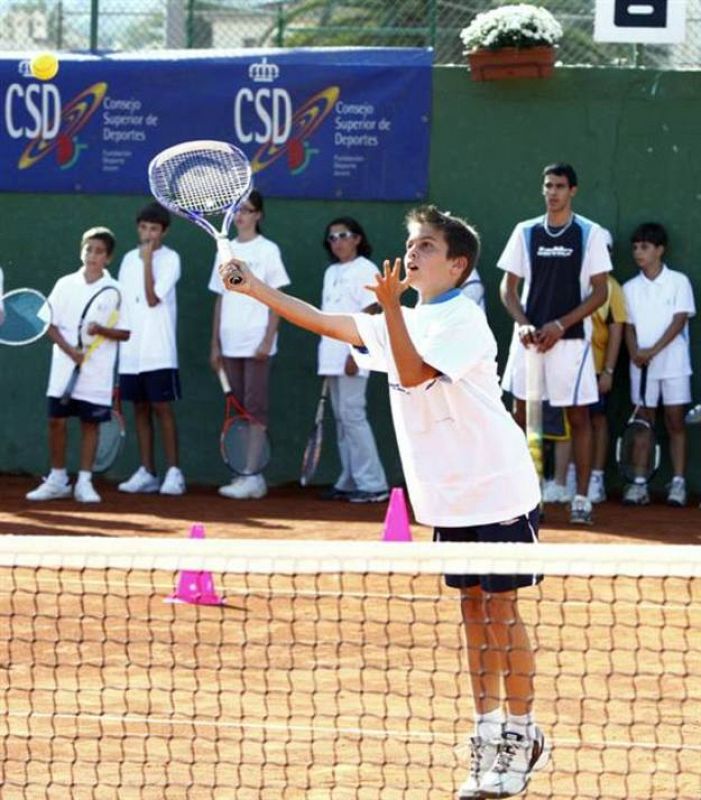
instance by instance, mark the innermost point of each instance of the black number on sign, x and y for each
(643, 14)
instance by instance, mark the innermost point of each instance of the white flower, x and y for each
(521, 25)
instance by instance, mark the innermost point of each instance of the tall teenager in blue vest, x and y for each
(561, 259)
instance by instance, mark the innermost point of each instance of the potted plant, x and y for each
(513, 41)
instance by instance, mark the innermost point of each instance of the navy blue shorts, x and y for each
(157, 386)
(600, 406)
(86, 412)
(523, 529)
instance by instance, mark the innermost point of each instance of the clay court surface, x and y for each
(289, 691)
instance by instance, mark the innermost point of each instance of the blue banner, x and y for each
(349, 123)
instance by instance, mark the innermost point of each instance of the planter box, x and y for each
(511, 62)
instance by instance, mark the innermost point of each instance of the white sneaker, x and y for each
(677, 492)
(247, 487)
(597, 491)
(483, 754)
(636, 494)
(84, 492)
(49, 490)
(580, 511)
(517, 757)
(555, 493)
(141, 481)
(173, 483)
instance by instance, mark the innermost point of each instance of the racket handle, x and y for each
(225, 254)
(224, 381)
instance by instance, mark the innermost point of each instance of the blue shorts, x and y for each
(157, 386)
(600, 406)
(86, 412)
(522, 530)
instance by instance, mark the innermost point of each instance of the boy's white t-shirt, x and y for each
(153, 343)
(244, 320)
(344, 292)
(68, 298)
(651, 306)
(465, 460)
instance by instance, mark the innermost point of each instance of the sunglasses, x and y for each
(334, 237)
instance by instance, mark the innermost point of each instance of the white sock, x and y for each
(640, 481)
(597, 473)
(678, 479)
(523, 725)
(85, 476)
(59, 476)
(489, 726)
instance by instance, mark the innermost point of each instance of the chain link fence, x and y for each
(118, 25)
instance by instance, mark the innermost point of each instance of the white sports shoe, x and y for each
(174, 482)
(84, 492)
(636, 494)
(597, 491)
(555, 493)
(482, 757)
(676, 495)
(517, 757)
(141, 481)
(49, 490)
(247, 487)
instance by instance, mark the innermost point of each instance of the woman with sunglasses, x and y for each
(244, 331)
(362, 478)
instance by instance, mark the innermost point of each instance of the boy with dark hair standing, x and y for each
(459, 448)
(562, 260)
(659, 302)
(148, 362)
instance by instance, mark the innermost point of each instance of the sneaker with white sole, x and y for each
(224, 490)
(580, 511)
(50, 490)
(248, 487)
(517, 758)
(555, 493)
(173, 483)
(369, 497)
(636, 494)
(483, 754)
(84, 492)
(141, 481)
(676, 495)
(597, 491)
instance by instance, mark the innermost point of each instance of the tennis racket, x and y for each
(312, 452)
(244, 442)
(110, 438)
(534, 407)
(27, 316)
(637, 451)
(199, 179)
(102, 309)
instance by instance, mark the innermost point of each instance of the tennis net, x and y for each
(334, 669)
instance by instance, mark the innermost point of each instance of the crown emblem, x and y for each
(262, 72)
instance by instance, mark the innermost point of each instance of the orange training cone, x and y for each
(195, 587)
(397, 518)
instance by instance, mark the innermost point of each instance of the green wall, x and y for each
(632, 135)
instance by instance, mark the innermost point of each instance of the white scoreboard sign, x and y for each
(645, 21)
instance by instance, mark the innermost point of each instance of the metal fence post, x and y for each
(94, 27)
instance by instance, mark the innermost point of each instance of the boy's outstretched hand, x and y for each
(236, 276)
(389, 285)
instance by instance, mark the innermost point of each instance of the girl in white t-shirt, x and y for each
(244, 331)
(362, 478)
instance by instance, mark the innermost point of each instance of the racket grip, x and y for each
(225, 254)
(223, 380)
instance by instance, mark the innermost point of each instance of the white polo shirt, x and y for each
(153, 343)
(651, 306)
(465, 460)
(474, 289)
(244, 320)
(68, 298)
(344, 292)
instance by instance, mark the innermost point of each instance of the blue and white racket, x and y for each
(200, 179)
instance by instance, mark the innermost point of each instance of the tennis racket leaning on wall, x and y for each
(201, 179)
(637, 450)
(100, 312)
(244, 442)
(312, 452)
(26, 317)
(110, 437)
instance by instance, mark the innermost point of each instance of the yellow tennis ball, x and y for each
(44, 66)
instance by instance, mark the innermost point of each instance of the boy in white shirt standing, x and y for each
(148, 362)
(91, 400)
(659, 303)
(459, 449)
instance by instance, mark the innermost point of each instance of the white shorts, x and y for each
(570, 378)
(671, 391)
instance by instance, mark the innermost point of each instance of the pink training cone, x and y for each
(397, 518)
(195, 587)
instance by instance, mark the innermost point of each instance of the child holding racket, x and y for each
(91, 399)
(460, 449)
(148, 362)
(244, 331)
